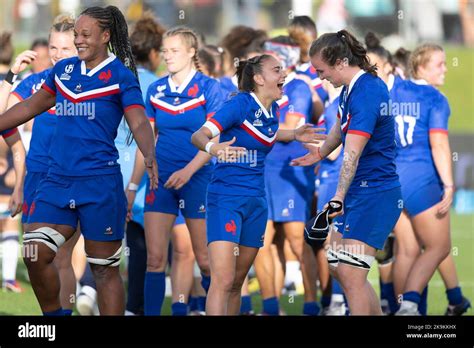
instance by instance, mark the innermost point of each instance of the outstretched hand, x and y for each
(308, 134)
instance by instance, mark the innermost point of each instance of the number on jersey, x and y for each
(406, 137)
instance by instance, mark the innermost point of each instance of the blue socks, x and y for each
(412, 296)
(271, 306)
(336, 287)
(454, 295)
(201, 303)
(311, 308)
(179, 309)
(67, 312)
(325, 301)
(387, 292)
(205, 282)
(245, 304)
(155, 287)
(57, 313)
(193, 303)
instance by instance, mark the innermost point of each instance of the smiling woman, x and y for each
(236, 205)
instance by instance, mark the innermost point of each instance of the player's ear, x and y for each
(105, 36)
(191, 52)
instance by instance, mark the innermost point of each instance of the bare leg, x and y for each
(264, 265)
(110, 290)
(182, 266)
(44, 276)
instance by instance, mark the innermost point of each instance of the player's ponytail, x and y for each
(372, 42)
(191, 40)
(247, 69)
(339, 46)
(110, 18)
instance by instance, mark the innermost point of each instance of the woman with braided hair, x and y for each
(177, 104)
(91, 93)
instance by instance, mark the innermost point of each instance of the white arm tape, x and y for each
(213, 128)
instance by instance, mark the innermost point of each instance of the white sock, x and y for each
(293, 273)
(10, 251)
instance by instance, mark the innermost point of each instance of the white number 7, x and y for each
(411, 120)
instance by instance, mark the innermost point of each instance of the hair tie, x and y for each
(341, 35)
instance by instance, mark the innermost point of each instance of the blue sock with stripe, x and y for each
(423, 305)
(454, 296)
(311, 308)
(245, 304)
(155, 286)
(179, 309)
(271, 306)
(57, 313)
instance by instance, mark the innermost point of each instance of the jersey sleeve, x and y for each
(24, 89)
(228, 116)
(364, 110)
(49, 84)
(214, 98)
(130, 92)
(439, 115)
(149, 108)
(300, 102)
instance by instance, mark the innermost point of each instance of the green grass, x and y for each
(463, 249)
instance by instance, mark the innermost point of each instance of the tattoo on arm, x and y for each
(348, 170)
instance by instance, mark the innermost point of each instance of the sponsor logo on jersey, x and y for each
(363, 183)
(258, 113)
(78, 88)
(257, 123)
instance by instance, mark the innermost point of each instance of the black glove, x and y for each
(317, 229)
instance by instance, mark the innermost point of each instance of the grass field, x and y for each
(463, 249)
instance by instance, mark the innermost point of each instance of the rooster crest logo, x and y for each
(105, 76)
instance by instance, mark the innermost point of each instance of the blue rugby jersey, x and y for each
(89, 107)
(178, 112)
(255, 128)
(361, 112)
(44, 125)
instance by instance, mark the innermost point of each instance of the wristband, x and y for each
(209, 145)
(11, 77)
(132, 187)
